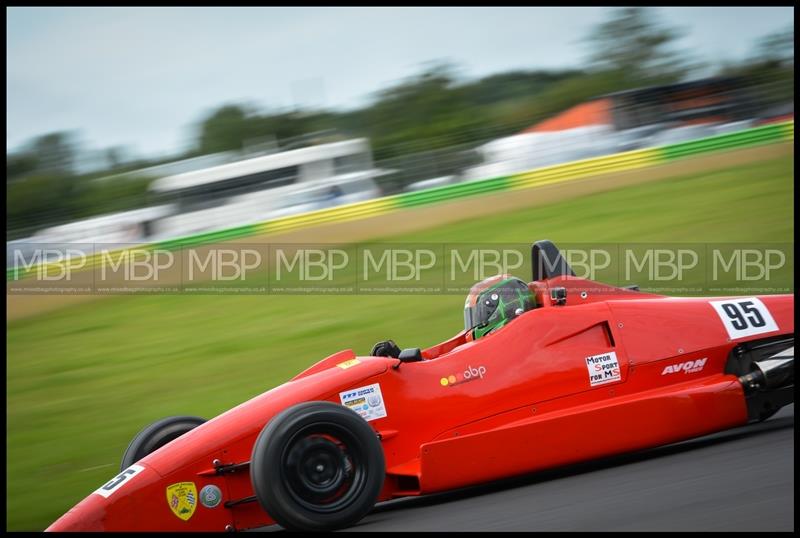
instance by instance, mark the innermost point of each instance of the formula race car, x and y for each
(590, 371)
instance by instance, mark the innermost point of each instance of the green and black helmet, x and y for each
(494, 302)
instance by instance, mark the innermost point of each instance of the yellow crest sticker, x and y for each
(182, 499)
(347, 364)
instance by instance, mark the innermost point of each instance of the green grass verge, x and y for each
(83, 380)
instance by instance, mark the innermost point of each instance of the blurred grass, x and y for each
(83, 380)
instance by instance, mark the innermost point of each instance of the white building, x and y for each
(234, 194)
(261, 188)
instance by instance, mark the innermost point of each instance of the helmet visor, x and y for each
(497, 304)
(480, 313)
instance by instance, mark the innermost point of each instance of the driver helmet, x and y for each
(494, 302)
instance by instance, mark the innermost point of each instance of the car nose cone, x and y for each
(86, 517)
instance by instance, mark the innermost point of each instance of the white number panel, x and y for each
(745, 316)
(118, 481)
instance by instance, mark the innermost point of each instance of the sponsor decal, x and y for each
(688, 367)
(347, 364)
(603, 368)
(745, 316)
(182, 499)
(366, 401)
(107, 489)
(210, 496)
(471, 373)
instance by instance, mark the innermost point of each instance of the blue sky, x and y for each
(143, 77)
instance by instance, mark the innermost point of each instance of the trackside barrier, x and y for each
(140, 252)
(211, 237)
(751, 137)
(631, 160)
(451, 192)
(619, 162)
(343, 213)
(788, 130)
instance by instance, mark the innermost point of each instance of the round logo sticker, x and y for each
(210, 496)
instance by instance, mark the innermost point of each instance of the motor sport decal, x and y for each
(182, 499)
(108, 489)
(603, 368)
(745, 316)
(366, 401)
(688, 367)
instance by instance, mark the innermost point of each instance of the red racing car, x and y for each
(575, 370)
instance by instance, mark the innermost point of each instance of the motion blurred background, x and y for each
(143, 125)
(630, 81)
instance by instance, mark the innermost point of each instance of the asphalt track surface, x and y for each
(738, 480)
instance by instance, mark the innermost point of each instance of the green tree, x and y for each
(19, 165)
(777, 48)
(224, 130)
(633, 45)
(56, 152)
(115, 157)
(236, 127)
(513, 85)
(428, 110)
(37, 201)
(769, 70)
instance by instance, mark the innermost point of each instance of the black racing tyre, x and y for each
(317, 466)
(157, 435)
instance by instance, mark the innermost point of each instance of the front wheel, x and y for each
(157, 435)
(317, 466)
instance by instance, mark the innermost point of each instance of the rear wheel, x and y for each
(157, 435)
(317, 466)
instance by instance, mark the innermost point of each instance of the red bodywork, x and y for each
(516, 401)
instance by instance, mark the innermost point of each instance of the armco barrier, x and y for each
(619, 162)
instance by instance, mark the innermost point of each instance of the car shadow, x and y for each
(774, 424)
